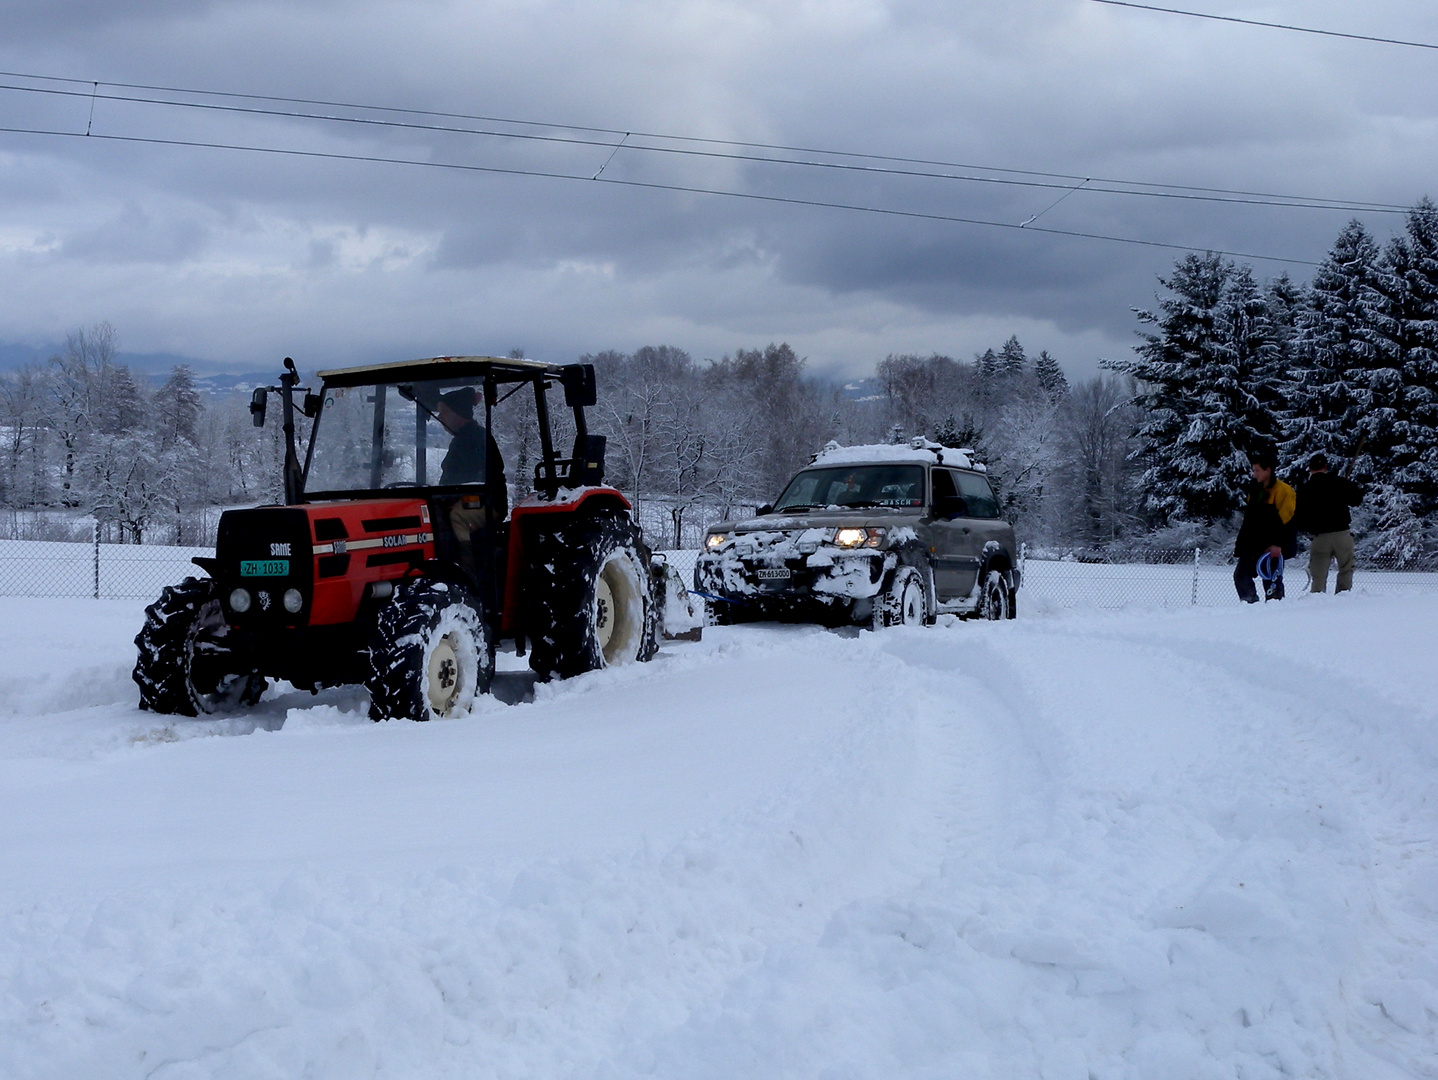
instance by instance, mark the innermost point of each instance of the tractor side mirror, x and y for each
(258, 400)
(578, 382)
(311, 405)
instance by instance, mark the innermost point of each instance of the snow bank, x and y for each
(1189, 844)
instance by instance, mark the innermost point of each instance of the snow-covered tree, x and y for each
(1398, 430)
(1332, 351)
(1050, 377)
(175, 409)
(1012, 362)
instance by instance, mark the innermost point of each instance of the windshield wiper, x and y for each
(793, 506)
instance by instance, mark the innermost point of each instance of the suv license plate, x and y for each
(781, 574)
(264, 567)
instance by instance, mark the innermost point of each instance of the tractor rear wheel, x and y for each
(430, 655)
(589, 596)
(188, 663)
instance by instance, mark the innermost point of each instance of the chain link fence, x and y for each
(1194, 578)
(1168, 579)
(1178, 578)
(102, 571)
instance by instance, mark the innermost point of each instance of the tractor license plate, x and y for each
(264, 567)
(770, 574)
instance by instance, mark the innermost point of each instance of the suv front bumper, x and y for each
(828, 575)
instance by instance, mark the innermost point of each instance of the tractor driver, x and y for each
(464, 464)
(470, 450)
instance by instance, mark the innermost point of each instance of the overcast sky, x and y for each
(238, 258)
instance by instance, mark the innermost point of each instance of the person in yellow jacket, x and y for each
(1267, 529)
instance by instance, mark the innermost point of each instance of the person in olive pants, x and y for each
(1323, 502)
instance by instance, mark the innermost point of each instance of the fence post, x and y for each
(97, 560)
(1193, 599)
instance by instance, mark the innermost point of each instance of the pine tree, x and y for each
(1331, 348)
(1011, 362)
(1051, 377)
(1399, 394)
(175, 409)
(1180, 479)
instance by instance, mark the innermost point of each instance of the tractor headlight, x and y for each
(854, 538)
(714, 541)
(240, 601)
(293, 601)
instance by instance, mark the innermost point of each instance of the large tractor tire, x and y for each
(430, 655)
(187, 664)
(589, 596)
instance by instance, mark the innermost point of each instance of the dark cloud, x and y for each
(180, 246)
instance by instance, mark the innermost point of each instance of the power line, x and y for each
(1270, 25)
(654, 186)
(1051, 180)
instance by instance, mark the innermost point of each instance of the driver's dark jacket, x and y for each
(464, 464)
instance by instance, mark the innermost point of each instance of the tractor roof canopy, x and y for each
(502, 369)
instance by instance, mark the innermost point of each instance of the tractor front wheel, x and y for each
(430, 655)
(188, 663)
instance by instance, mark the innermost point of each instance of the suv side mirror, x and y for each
(578, 383)
(767, 508)
(950, 506)
(258, 400)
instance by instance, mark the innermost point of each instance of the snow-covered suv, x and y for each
(874, 535)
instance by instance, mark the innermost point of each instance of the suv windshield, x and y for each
(392, 435)
(855, 485)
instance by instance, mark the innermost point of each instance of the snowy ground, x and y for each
(1190, 844)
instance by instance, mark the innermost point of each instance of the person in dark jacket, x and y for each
(1323, 502)
(472, 458)
(464, 463)
(1267, 530)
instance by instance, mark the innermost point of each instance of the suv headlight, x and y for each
(714, 541)
(856, 538)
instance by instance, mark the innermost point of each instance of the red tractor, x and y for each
(397, 562)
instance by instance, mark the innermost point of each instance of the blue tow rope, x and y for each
(1270, 567)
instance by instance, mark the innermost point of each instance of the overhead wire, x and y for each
(654, 186)
(1051, 180)
(1269, 25)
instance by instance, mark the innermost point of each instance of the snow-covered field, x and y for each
(1191, 844)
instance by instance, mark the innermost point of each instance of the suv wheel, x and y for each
(187, 663)
(903, 602)
(430, 655)
(994, 603)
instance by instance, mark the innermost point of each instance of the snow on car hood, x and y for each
(885, 517)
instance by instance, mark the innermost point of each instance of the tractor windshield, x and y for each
(397, 435)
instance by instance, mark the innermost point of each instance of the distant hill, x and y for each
(149, 368)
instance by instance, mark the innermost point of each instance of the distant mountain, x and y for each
(149, 368)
